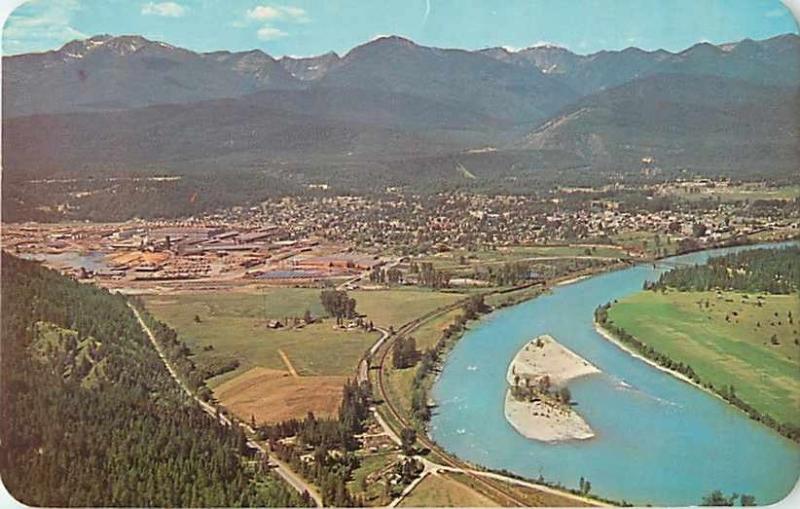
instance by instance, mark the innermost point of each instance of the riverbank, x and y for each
(470, 423)
(705, 351)
(544, 363)
(608, 335)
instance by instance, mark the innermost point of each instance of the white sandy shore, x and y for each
(543, 420)
(573, 280)
(609, 336)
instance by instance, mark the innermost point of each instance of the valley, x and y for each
(414, 271)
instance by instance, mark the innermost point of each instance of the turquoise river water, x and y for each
(659, 440)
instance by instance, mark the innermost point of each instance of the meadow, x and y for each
(395, 307)
(234, 325)
(748, 341)
(220, 327)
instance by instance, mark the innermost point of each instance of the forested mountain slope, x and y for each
(91, 417)
(705, 123)
(239, 128)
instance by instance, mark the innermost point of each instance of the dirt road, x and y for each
(293, 479)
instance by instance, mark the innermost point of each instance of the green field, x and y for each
(727, 338)
(452, 260)
(651, 243)
(742, 192)
(396, 307)
(513, 297)
(235, 325)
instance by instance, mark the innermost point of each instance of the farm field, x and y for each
(233, 326)
(441, 490)
(461, 259)
(398, 306)
(271, 395)
(224, 326)
(728, 338)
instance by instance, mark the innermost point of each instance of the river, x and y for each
(659, 440)
(93, 260)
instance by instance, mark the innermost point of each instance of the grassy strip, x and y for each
(710, 375)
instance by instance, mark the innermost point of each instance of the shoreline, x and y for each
(544, 418)
(575, 279)
(621, 265)
(608, 335)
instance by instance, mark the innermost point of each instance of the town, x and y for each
(343, 240)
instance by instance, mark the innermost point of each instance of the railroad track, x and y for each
(447, 459)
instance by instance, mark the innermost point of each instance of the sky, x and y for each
(312, 27)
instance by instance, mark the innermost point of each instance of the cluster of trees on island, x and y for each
(527, 389)
(718, 499)
(524, 390)
(758, 270)
(118, 431)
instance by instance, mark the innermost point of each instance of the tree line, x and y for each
(728, 393)
(393, 276)
(775, 270)
(407, 354)
(429, 276)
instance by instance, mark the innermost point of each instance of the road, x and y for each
(279, 467)
(405, 329)
(363, 364)
(365, 274)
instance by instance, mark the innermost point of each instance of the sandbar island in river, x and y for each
(538, 404)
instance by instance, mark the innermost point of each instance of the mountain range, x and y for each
(389, 111)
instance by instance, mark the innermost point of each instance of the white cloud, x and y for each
(40, 25)
(295, 13)
(264, 13)
(269, 16)
(164, 9)
(268, 33)
(277, 12)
